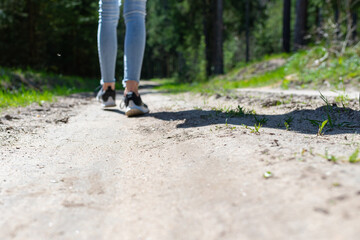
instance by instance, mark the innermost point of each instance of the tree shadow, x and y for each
(342, 120)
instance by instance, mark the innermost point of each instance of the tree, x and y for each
(286, 26)
(247, 27)
(300, 23)
(336, 5)
(213, 32)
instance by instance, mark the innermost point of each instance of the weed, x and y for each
(315, 123)
(287, 126)
(261, 121)
(226, 124)
(256, 128)
(346, 125)
(343, 99)
(330, 158)
(288, 122)
(238, 112)
(327, 109)
(289, 119)
(354, 157)
(321, 127)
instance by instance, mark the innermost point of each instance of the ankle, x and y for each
(132, 86)
(107, 85)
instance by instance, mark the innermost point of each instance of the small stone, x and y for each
(8, 117)
(62, 120)
(321, 210)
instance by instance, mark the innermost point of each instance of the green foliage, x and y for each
(20, 88)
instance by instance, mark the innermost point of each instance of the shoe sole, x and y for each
(109, 103)
(134, 112)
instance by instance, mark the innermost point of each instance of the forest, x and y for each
(187, 40)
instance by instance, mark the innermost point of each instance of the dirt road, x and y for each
(69, 170)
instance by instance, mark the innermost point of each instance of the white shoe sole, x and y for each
(109, 103)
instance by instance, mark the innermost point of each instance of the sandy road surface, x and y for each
(185, 171)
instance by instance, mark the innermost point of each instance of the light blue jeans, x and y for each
(134, 15)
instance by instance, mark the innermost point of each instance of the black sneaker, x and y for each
(134, 105)
(107, 98)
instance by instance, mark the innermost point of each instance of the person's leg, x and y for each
(107, 40)
(134, 14)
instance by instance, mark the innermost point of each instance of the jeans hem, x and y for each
(102, 81)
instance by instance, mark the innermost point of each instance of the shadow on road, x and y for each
(343, 120)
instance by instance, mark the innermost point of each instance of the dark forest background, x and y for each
(186, 39)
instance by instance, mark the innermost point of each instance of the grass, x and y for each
(321, 127)
(328, 110)
(354, 157)
(288, 122)
(23, 87)
(25, 97)
(313, 68)
(256, 128)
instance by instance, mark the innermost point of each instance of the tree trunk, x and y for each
(354, 26)
(300, 24)
(218, 38)
(318, 22)
(31, 31)
(287, 26)
(213, 32)
(337, 19)
(247, 26)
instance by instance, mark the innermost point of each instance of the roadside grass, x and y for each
(25, 97)
(220, 85)
(313, 68)
(23, 87)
